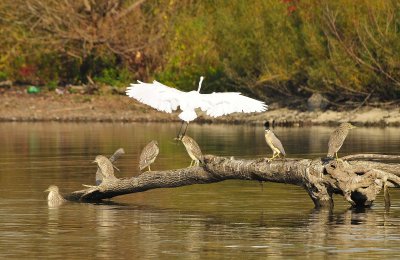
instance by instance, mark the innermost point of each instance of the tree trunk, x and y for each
(359, 181)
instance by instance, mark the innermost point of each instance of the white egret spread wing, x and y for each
(156, 95)
(219, 104)
(166, 99)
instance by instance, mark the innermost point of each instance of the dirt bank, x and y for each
(50, 106)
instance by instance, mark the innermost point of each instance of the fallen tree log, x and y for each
(358, 181)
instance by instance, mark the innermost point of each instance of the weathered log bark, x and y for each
(371, 156)
(358, 181)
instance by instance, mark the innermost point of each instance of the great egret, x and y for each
(167, 99)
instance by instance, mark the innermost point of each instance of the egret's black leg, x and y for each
(180, 129)
(187, 124)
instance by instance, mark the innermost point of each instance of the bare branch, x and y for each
(376, 66)
(370, 157)
(129, 9)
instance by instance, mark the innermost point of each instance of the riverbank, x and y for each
(20, 106)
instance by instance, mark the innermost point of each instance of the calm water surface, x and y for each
(232, 219)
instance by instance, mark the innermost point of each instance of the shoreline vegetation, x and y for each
(342, 57)
(283, 50)
(54, 106)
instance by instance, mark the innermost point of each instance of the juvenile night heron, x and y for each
(337, 138)
(167, 99)
(193, 149)
(54, 198)
(148, 155)
(113, 158)
(106, 167)
(274, 143)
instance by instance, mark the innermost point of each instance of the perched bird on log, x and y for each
(148, 155)
(274, 143)
(54, 198)
(113, 158)
(167, 99)
(337, 138)
(193, 149)
(106, 167)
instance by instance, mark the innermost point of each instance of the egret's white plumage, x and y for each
(166, 99)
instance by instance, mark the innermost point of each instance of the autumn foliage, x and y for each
(343, 49)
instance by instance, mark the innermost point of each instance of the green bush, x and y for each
(345, 49)
(3, 76)
(114, 77)
(342, 48)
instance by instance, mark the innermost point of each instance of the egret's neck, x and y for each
(201, 81)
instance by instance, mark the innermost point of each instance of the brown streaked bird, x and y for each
(113, 158)
(148, 155)
(106, 167)
(54, 198)
(274, 143)
(337, 138)
(193, 149)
